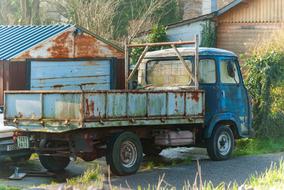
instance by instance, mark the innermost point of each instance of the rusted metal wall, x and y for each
(70, 44)
(12, 77)
(242, 27)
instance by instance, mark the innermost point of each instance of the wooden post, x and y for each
(126, 66)
(196, 60)
(138, 63)
(184, 63)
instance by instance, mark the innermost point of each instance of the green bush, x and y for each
(265, 78)
(158, 34)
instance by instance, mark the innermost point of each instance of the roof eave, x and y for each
(100, 38)
(229, 7)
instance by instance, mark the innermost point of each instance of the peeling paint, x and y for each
(68, 45)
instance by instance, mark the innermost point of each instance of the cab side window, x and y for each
(228, 72)
(207, 71)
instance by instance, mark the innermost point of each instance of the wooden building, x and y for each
(249, 22)
(61, 57)
(240, 25)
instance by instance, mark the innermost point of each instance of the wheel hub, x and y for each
(224, 143)
(128, 154)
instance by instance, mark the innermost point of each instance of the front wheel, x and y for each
(221, 143)
(124, 153)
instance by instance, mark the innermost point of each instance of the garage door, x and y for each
(70, 75)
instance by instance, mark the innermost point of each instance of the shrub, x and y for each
(158, 34)
(265, 77)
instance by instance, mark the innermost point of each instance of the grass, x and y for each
(92, 176)
(258, 146)
(273, 178)
(8, 188)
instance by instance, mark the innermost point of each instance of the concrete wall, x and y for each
(185, 32)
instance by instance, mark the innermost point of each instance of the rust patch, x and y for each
(62, 48)
(66, 45)
(195, 96)
(90, 107)
(58, 86)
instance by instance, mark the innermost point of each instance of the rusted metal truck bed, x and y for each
(61, 111)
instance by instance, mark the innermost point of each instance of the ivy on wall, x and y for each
(208, 34)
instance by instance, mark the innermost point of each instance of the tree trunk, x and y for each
(26, 12)
(35, 12)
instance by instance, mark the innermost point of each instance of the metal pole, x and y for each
(126, 65)
(196, 60)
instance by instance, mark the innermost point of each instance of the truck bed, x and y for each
(61, 111)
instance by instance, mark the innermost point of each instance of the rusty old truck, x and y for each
(182, 96)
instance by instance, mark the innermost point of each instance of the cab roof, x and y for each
(189, 51)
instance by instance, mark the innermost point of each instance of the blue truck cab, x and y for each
(227, 104)
(226, 96)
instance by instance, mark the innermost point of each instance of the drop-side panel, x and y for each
(55, 111)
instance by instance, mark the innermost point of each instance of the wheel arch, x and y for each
(223, 119)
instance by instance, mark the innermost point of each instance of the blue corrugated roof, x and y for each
(17, 39)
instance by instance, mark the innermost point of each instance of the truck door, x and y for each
(207, 72)
(233, 96)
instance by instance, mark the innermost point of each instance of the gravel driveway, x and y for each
(236, 169)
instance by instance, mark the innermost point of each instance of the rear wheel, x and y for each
(221, 143)
(53, 163)
(124, 153)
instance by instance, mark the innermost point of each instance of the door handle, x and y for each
(223, 94)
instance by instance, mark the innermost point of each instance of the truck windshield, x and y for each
(167, 73)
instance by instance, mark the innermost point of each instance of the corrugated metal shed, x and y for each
(16, 39)
(98, 63)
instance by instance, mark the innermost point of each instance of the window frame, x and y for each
(216, 70)
(236, 62)
(186, 58)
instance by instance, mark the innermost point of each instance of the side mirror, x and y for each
(231, 69)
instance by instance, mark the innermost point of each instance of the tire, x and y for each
(221, 143)
(52, 163)
(124, 153)
(22, 158)
(150, 150)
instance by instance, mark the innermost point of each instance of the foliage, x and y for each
(258, 146)
(92, 176)
(133, 12)
(208, 34)
(8, 188)
(265, 74)
(112, 19)
(273, 178)
(157, 34)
